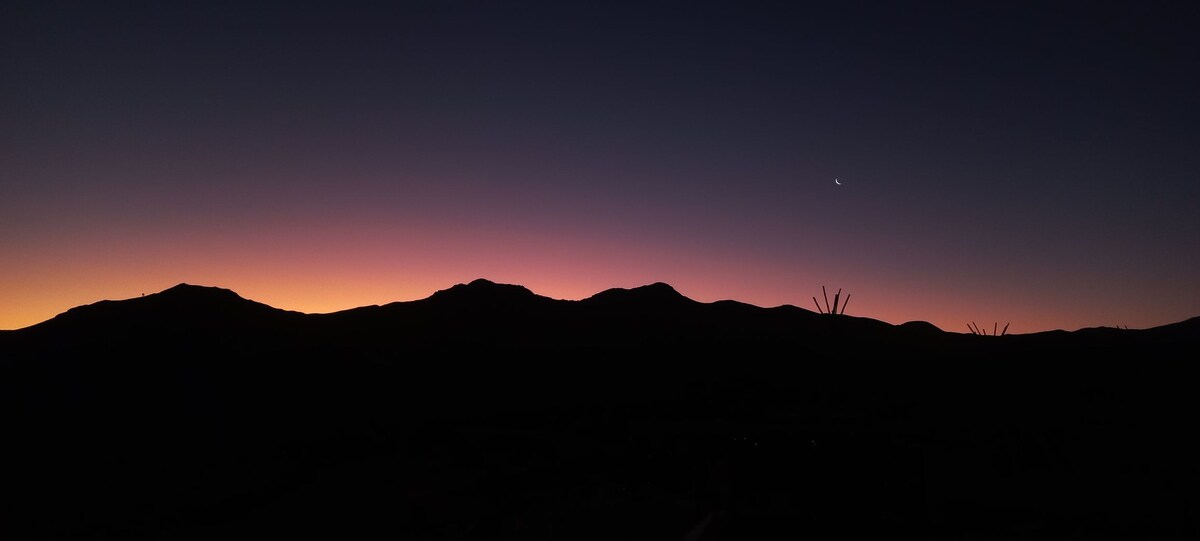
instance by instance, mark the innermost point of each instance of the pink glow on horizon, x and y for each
(346, 251)
(319, 270)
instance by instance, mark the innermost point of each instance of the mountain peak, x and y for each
(182, 304)
(483, 282)
(658, 292)
(189, 294)
(184, 288)
(658, 289)
(484, 290)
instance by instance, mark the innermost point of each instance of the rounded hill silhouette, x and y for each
(486, 411)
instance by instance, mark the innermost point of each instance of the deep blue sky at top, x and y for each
(1043, 149)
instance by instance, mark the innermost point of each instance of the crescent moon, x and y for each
(835, 181)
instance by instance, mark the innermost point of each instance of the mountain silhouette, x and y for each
(486, 411)
(181, 309)
(657, 293)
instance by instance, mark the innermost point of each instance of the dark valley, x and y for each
(489, 412)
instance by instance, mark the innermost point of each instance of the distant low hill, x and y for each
(483, 313)
(486, 411)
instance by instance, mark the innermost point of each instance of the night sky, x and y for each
(1037, 164)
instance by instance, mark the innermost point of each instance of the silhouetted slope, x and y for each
(486, 411)
(485, 294)
(182, 309)
(657, 294)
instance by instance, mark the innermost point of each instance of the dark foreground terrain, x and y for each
(488, 412)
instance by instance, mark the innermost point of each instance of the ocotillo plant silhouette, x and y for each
(974, 327)
(836, 297)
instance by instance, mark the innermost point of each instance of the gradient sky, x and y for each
(1034, 163)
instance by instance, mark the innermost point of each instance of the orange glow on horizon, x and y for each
(322, 292)
(294, 266)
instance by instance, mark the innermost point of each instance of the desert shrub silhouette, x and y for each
(836, 298)
(974, 327)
